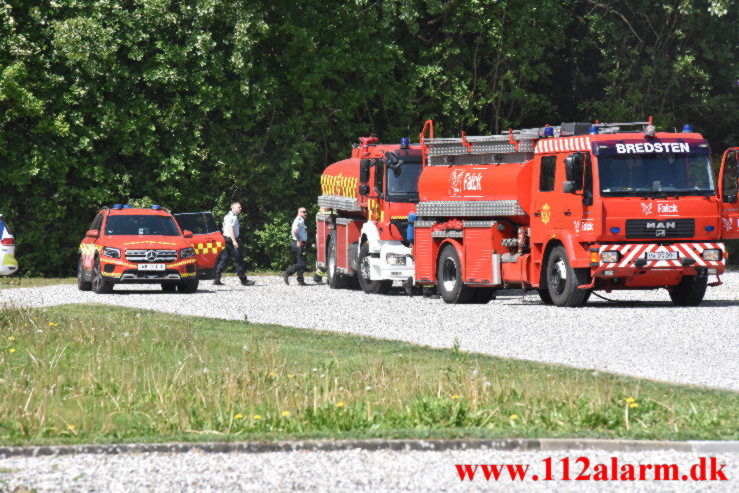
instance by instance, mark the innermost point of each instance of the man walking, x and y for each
(231, 235)
(299, 237)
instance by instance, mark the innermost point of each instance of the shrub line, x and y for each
(713, 446)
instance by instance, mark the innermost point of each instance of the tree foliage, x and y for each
(193, 104)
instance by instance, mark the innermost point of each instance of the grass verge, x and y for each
(95, 374)
(8, 282)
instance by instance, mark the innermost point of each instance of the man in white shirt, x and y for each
(231, 235)
(299, 237)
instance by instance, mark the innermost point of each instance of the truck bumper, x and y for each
(382, 267)
(655, 265)
(121, 271)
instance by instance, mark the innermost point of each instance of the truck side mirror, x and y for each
(568, 186)
(364, 171)
(364, 190)
(729, 199)
(187, 233)
(569, 164)
(392, 160)
(93, 233)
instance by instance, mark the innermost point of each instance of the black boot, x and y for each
(217, 280)
(245, 281)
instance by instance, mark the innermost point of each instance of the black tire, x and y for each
(563, 280)
(544, 295)
(169, 287)
(335, 280)
(483, 295)
(449, 278)
(100, 285)
(690, 291)
(189, 286)
(82, 284)
(367, 285)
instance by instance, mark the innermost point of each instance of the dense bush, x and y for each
(193, 104)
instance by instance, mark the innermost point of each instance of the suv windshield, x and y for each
(661, 174)
(141, 225)
(402, 185)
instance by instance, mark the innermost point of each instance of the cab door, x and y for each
(728, 189)
(207, 239)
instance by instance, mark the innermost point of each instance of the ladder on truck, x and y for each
(516, 146)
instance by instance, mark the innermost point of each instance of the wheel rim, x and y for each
(449, 275)
(558, 276)
(96, 277)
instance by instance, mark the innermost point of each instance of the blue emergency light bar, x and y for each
(156, 207)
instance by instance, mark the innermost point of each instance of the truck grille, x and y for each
(660, 228)
(151, 256)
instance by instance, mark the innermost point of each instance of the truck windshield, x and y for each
(402, 185)
(655, 175)
(141, 225)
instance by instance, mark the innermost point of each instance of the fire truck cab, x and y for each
(361, 231)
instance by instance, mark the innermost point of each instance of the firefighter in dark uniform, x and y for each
(233, 249)
(298, 246)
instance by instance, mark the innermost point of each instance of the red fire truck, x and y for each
(564, 210)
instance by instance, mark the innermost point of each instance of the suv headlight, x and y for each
(610, 256)
(187, 252)
(112, 252)
(395, 259)
(713, 254)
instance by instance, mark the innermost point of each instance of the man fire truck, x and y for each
(564, 210)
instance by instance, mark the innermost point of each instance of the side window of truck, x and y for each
(379, 172)
(546, 175)
(97, 222)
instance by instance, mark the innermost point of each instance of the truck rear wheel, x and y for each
(449, 278)
(335, 280)
(100, 285)
(690, 291)
(563, 280)
(82, 283)
(369, 286)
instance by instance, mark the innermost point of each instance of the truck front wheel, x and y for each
(563, 280)
(690, 291)
(189, 286)
(449, 278)
(369, 286)
(335, 280)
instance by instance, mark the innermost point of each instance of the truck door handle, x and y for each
(537, 214)
(568, 213)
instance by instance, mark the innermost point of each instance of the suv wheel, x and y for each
(100, 285)
(82, 284)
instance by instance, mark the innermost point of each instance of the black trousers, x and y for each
(226, 255)
(300, 260)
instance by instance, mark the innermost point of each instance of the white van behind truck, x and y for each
(8, 264)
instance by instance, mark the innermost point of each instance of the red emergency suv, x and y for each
(131, 245)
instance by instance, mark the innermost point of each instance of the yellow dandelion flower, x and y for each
(340, 404)
(11, 338)
(286, 413)
(238, 416)
(455, 397)
(630, 400)
(71, 427)
(634, 404)
(12, 350)
(290, 375)
(257, 417)
(272, 374)
(513, 416)
(51, 324)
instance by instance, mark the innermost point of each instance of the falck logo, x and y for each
(727, 223)
(151, 255)
(583, 225)
(646, 208)
(461, 181)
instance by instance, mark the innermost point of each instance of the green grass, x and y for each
(33, 282)
(95, 374)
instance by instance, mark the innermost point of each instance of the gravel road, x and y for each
(347, 470)
(645, 336)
